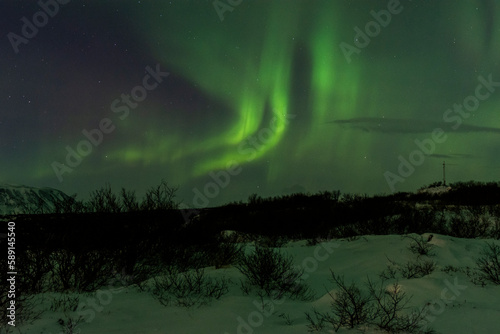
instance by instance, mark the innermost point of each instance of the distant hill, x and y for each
(17, 199)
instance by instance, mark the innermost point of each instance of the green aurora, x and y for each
(269, 92)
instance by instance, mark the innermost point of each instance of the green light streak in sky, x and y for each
(271, 86)
(249, 69)
(252, 81)
(334, 86)
(269, 59)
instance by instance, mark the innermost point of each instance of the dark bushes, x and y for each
(80, 272)
(489, 263)
(350, 306)
(223, 251)
(389, 309)
(417, 269)
(187, 288)
(419, 245)
(273, 273)
(381, 306)
(35, 265)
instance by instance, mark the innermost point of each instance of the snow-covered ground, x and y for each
(456, 304)
(435, 190)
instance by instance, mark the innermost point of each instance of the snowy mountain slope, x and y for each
(16, 199)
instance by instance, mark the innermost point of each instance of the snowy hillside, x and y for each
(16, 199)
(456, 304)
(435, 190)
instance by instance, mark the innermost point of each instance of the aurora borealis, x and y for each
(266, 93)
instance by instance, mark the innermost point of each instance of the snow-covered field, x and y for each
(456, 305)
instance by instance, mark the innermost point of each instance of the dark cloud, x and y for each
(409, 125)
(451, 156)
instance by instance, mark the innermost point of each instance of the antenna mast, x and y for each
(444, 174)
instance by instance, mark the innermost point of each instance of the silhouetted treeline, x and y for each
(103, 200)
(122, 218)
(84, 244)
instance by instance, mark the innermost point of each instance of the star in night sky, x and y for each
(262, 97)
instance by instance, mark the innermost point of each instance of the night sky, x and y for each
(228, 98)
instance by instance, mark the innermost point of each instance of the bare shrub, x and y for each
(494, 230)
(129, 201)
(391, 271)
(316, 320)
(189, 288)
(274, 273)
(420, 246)
(104, 201)
(469, 222)
(390, 309)
(385, 307)
(417, 269)
(225, 251)
(411, 269)
(80, 271)
(160, 197)
(68, 204)
(35, 266)
(142, 270)
(349, 231)
(65, 303)
(489, 263)
(286, 317)
(274, 241)
(351, 306)
(70, 325)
